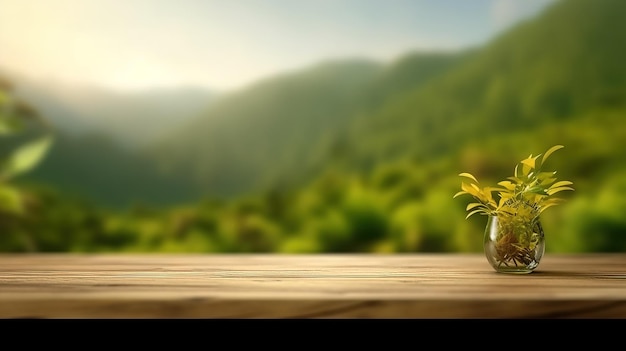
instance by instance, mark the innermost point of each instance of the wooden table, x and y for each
(307, 286)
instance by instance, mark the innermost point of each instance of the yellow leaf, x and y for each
(487, 192)
(502, 201)
(467, 175)
(470, 190)
(530, 161)
(505, 196)
(459, 193)
(473, 212)
(554, 200)
(475, 187)
(547, 181)
(545, 175)
(561, 183)
(473, 205)
(465, 187)
(549, 204)
(550, 151)
(556, 190)
(508, 185)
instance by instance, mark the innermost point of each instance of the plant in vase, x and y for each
(514, 238)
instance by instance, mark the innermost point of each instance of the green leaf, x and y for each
(547, 181)
(537, 190)
(545, 175)
(26, 157)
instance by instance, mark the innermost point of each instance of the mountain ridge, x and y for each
(285, 130)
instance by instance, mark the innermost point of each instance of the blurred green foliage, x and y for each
(359, 157)
(24, 142)
(19, 154)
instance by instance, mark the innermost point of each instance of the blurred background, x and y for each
(303, 126)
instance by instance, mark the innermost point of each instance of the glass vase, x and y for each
(514, 244)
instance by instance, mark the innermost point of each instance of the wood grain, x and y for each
(307, 286)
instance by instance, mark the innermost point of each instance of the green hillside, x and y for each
(556, 79)
(389, 173)
(556, 67)
(99, 134)
(130, 119)
(288, 129)
(354, 156)
(98, 169)
(279, 132)
(251, 136)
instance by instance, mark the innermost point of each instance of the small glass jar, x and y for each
(514, 244)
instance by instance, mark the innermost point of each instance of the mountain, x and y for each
(286, 130)
(549, 69)
(382, 174)
(96, 168)
(279, 132)
(132, 119)
(370, 153)
(250, 136)
(99, 134)
(556, 79)
(276, 133)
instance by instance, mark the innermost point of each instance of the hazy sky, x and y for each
(225, 44)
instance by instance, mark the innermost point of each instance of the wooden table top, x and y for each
(307, 286)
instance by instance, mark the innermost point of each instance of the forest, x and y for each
(345, 156)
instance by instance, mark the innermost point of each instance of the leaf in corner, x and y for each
(26, 157)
